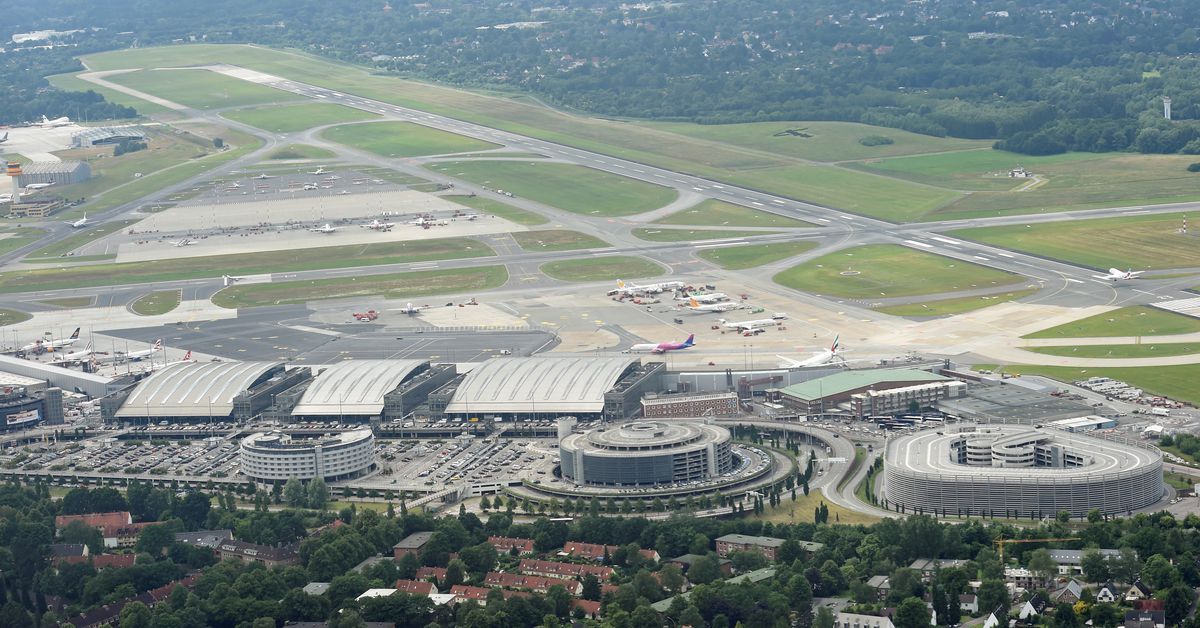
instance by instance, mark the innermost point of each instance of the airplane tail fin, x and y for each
(158, 344)
(45, 119)
(691, 340)
(693, 302)
(620, 283)
(75, 334)
(187, 356)
(834, 347)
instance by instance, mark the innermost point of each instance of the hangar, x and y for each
(365, 389)
(543, 388)
(200, 391)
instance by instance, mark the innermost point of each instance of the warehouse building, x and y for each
(1084, 424)
(207, 391)
(361, 390)
(277, 457)
(826, 394)
(103, 135)
(55, 172)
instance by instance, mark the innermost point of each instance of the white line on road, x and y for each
(920, 244)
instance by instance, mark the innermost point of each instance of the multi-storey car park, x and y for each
(276, 457)
(647, 453)
(1018, 471)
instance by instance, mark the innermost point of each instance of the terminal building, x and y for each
(196, 392)
(362, 390)
(277, 457)
(690, 406)
(868, 392)
(545, 388)
(646, 453)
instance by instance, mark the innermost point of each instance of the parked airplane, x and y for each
(663, 347)
(144, 353)
(428, 221)
(310, 186)
(264, 176)
(411, 309)
(375, 225)
(325, 228)
(228, 279)
(47, 123)
(653, 288)
(711, 297)
(5, 138)
(187, 359)
(43, 345)
(79, 224)
(723, 306)
(1117, 275)
(320, 170)
(824, 356)
(39, 186)
(183, 242)
(74, 356)
(748, 325)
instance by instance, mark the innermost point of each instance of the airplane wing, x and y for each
(788, 363)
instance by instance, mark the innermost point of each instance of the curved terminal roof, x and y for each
(538, 384)
(354, 386)
(193, 389)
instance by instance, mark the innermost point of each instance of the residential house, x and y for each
(1138, 591)
(591, 610)
(1022, 578)
(1070, 562)
(765, 545)
(968, 603)
(68, 552)
(537, 584)
(1145, 619)
(117, 527)
(882, 586)
(1109, 593)
(1069, 593)
(598, 552)
(505, 544)
(370, 593)
(416, 587)
(685, 562)
(855, 620)
(255, 553)
(1150, 605)
(554, 569)
(1032, 607)
(930, 566)
(204, 538)
(466, 593)
(997, 618)
(115, 561)
(411, 544)
(316, 588)
(432, 573)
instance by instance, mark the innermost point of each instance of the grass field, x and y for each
(346, 256)
(503, 210)
(300, 151)
(403, 139)
(200, 89)
(13, 317)
(13, 239)
(889, 270)
(715, 213)
(804, 508)
(70, 243)
(602, 268)
(157, 302)
(1137, 242)
(692, 235)
(1121, 351)
(948, 307)
(70, 303)
(292, 118)
(557, 240)
(568, 187)
(1138, 320)
(73, 83)
(752, 255)
(1176, 382)
(391, 286)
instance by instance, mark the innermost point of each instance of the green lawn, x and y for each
(715, 213)
(391, 286)
(72, 242)
(602, 268)
(201, 89)
(300, 151)
(949, 307)
(557, 240)
(692, 235)
(802, 510)
(73, 83)
(569, 187)
(292, 118)
(1121, 351)
(889, 270)
(752, 255)
(973, 170)
(346, 256)
(403, 139)
(1138, 320)
(13, 239)
(13, 317)
(1176, 382)
(496, 208)
(157, 302)
(70, 303)
(1137, 242)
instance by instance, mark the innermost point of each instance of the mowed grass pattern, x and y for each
(752, 255)
(889, 270)
(1138, 242)
(949, 307)
(692, 235)
(503, 210)
(155, 303)
(1146, 350)
(568, 187)
(1176, 382)
(715, 213)
(602, 268)
(403, 139)
(201, 89)
(292, 118)
(301, 151)
(557, 240)
(1137, 320)
(390, 286)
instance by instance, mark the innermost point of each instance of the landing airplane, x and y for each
(748, 325)
(39, 186)
(42, 345)
(228, 279)
(411, 309)
(711, 297)
(375, 225)
(824, 356)
(144, 353)
(326, 228)
(653, 288)
(1117, 275)
(4, 139)
(47, 123)
(663, 347)
(79, 224)
(264, 176)
(183, 242)
(723, 306)
(320, 170)
(74, 356)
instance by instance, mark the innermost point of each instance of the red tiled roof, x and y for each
(426, 573)
(596, 552)
(567, 570)
(96, 520)
(467, 592)
(590, 608)
(505, 543)
(415, 587)
(521, 581)
(100, 561)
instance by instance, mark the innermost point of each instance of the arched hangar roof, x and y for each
(194, 389)
(538, 384)
(354, 386)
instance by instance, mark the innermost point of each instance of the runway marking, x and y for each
(311, 330)
(1005, 255)
(756, 203)
(825, 220)
(845, 217)
(920, 244)
(778, 202)
(944, 240)
(1144, 292)
(713, 246)
(1134, 213)
(986, 259)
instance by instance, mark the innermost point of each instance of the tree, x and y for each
(992, 595)
(911, 613)
(824, 618)
(455, 573)
(671, 579)
(1042, 565)
(1177, 603)
(263, 622)
(479, 558)
(1094, 565)
(704, 570)
(136, 615)
(318, 494)
(293, 493)
(408, 565)
(218, 142)
(347, 619)
(1159, 573)
(154, 540)
(747, 560)
(84, 534)
(1065, 617)
(591, 588)
(193, 509)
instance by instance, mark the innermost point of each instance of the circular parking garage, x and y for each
(275, 456)
(646, 453)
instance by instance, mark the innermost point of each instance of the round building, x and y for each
(646, 453)
(1019, 471)
(275, 456)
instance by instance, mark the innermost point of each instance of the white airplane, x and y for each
(1117, 275)
(144, 353)
(326, 228)
(264, 176)
(233, 185)
(819, 358)
(748, 325)
(230, 279)
(5, 138)
(469, 216)
(79, 224)
(183, 242)
(187, 359)
(320, 170)
(653, 288)
(663, 347)
(332, 178)
(375, 225)
(39, 186)
(310, 186)
(74, 356)
(43, 345)
(723, 306)
(422, 221)
(47, 123)
(712, 297)
(411, 309)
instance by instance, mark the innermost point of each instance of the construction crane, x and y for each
(1000, 543)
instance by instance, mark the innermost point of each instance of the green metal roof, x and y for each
(852, 380)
